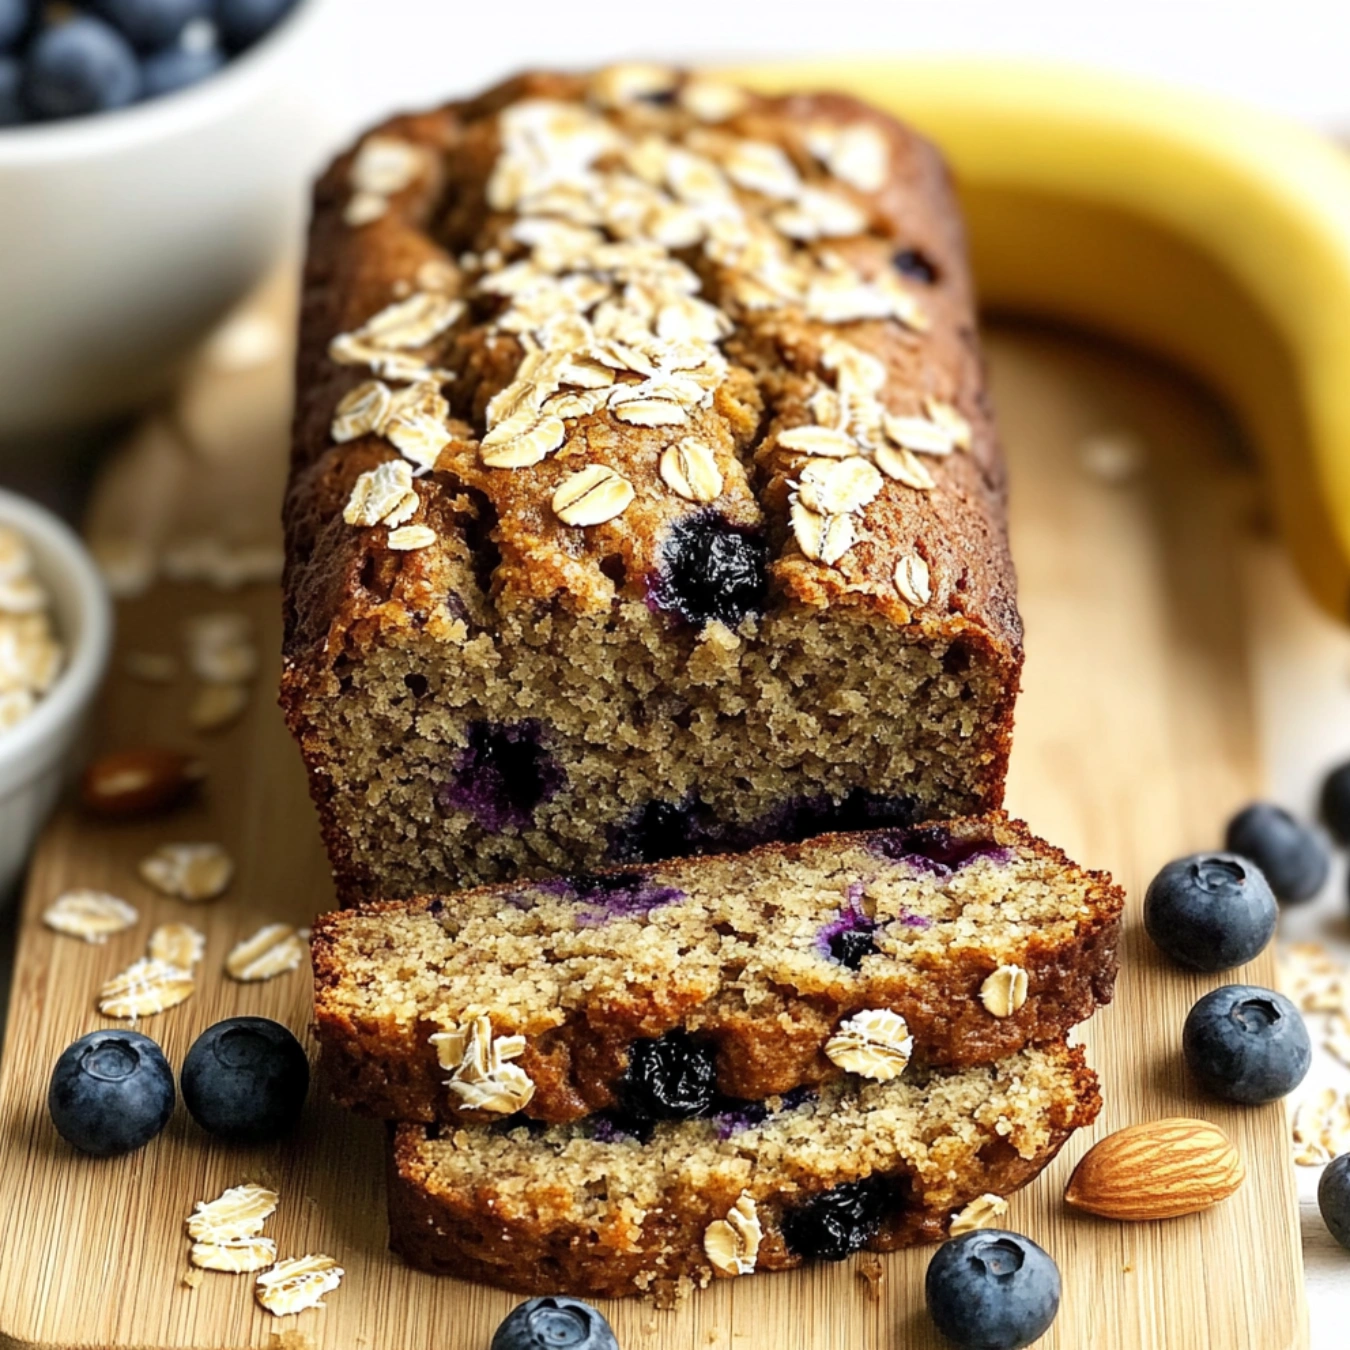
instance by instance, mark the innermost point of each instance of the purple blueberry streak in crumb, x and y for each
(911, 920)
(607, 896)
(604, 1130)
(934, 849)
(674, 829)
(614, 1127)
(738, 1116)
(503, 775)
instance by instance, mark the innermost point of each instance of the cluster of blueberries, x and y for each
(1213, 911)
(68, 60)
(244, 1080)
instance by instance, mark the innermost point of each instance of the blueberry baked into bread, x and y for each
(645, 498)
(588, 1209)
(672, 989)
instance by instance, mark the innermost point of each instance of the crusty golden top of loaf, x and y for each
(545, 327)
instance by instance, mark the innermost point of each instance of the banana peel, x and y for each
(1212, 233)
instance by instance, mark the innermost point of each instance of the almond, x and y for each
(138, 782)
(1160, 1170)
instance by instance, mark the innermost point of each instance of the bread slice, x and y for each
(751, 962)
(674, 517)
(579, 1209)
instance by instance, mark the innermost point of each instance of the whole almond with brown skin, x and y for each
(138, 782)
(1156, 1171)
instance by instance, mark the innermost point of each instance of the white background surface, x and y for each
(379, 55)
(375, 56)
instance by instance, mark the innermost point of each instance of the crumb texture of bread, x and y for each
(759, 956)
(570, 1210)
(645, 497)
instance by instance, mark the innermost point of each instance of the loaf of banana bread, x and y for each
(645, 498)
(668, 989)
(588, 1209)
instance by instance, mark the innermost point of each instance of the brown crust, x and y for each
(387, 1068)
(445, 1232)
(346, 591)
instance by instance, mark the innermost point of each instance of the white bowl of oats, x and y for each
(55, 635)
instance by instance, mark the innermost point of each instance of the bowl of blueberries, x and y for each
(152, 161)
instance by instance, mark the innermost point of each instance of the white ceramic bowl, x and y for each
(36, 754)
(125, 236)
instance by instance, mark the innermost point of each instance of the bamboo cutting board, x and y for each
(1135, 740)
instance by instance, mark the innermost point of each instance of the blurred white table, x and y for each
(378, 55)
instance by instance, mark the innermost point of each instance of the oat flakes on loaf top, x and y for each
(640, 372)
(761, 247)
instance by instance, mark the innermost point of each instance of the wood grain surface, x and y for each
(1135, 738)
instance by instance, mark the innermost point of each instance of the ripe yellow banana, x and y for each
(1212, 233)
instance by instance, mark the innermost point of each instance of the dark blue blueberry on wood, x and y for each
(1291, 855)
(838, 1222)
(554, 1323)
(245, 1080)
(992, 1290)
(1246, 1044)
(673, 1077)
(711, 569)
(1333, 1199)
(503, 775)
(1336, 803)
(110, 1092)
(1211, 911)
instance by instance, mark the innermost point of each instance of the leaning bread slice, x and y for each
(585, 1209)
(741, 976)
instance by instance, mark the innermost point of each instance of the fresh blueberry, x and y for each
(15, 16)
(243, 22)
(178, 68)
(711, 569)
(992, 1290)
(911, 263)
(245, 1079)
(672, 1077)
(150, 24)
(111, 1092)
(81, 66)
(1211, 911)
(1336, 802)
(838, 1222)
(554, 1324)
(1333, 1198)
(1291, 855)
(11, 91)
(1246, 1044)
